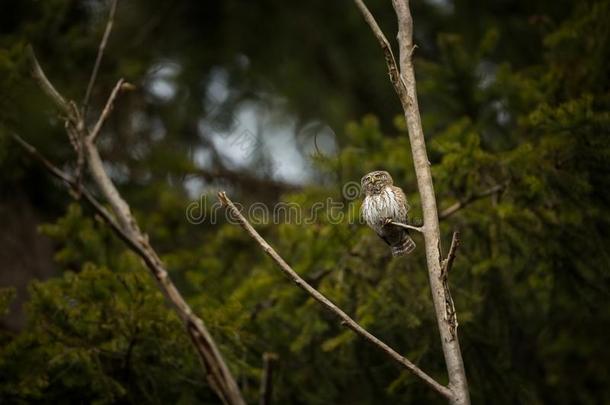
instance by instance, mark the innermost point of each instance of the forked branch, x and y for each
(345, 319)
(74, 188)
(218, 374)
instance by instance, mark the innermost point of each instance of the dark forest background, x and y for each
(288, 101)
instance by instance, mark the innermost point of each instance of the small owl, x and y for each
(384, 202)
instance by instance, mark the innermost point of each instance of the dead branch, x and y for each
(218, 374)
(346, 320)
(450, 313)
(100, 54)
(72, 186)
(455, 244)
(45, 84)
(106, 111)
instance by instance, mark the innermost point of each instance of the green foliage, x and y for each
(100, 336)
(6, 296)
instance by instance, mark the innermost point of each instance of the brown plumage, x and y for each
(384, 202)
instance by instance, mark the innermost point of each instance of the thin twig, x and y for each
(452, 209)
(33, 152)
(450, 313)
(106, 111)
(218, 374)
(406, 226)
(266, 391)
(73, 122)
(45, 84)
(385, 46)
(346, 320)
(455, 244)
(216, 370)
(72, 185)
(98, 58)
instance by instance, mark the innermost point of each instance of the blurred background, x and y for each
(286, 101)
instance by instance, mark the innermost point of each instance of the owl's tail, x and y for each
(404, 247)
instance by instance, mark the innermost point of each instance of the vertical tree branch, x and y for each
(100, 54)
(269, 361)
(408, 99)
(451, 346)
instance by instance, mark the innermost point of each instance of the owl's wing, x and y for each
(401, 199)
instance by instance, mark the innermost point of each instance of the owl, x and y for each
(383, 203)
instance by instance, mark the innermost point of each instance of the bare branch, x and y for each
(218, 374)
(407, 94)
(269, 361)
(452, 209)
(385, 46)
(119, 206)
(406, 226)
(46, 85)
(450, 313)
(33, 152)
(106, 111)
(441, 297)
(346, 320)
(455, 244)
(73, 187)
(100, 54)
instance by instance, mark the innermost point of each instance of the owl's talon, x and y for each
(387, 221)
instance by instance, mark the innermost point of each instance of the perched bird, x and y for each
(384, 203)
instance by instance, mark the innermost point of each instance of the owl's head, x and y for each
(376, 181)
